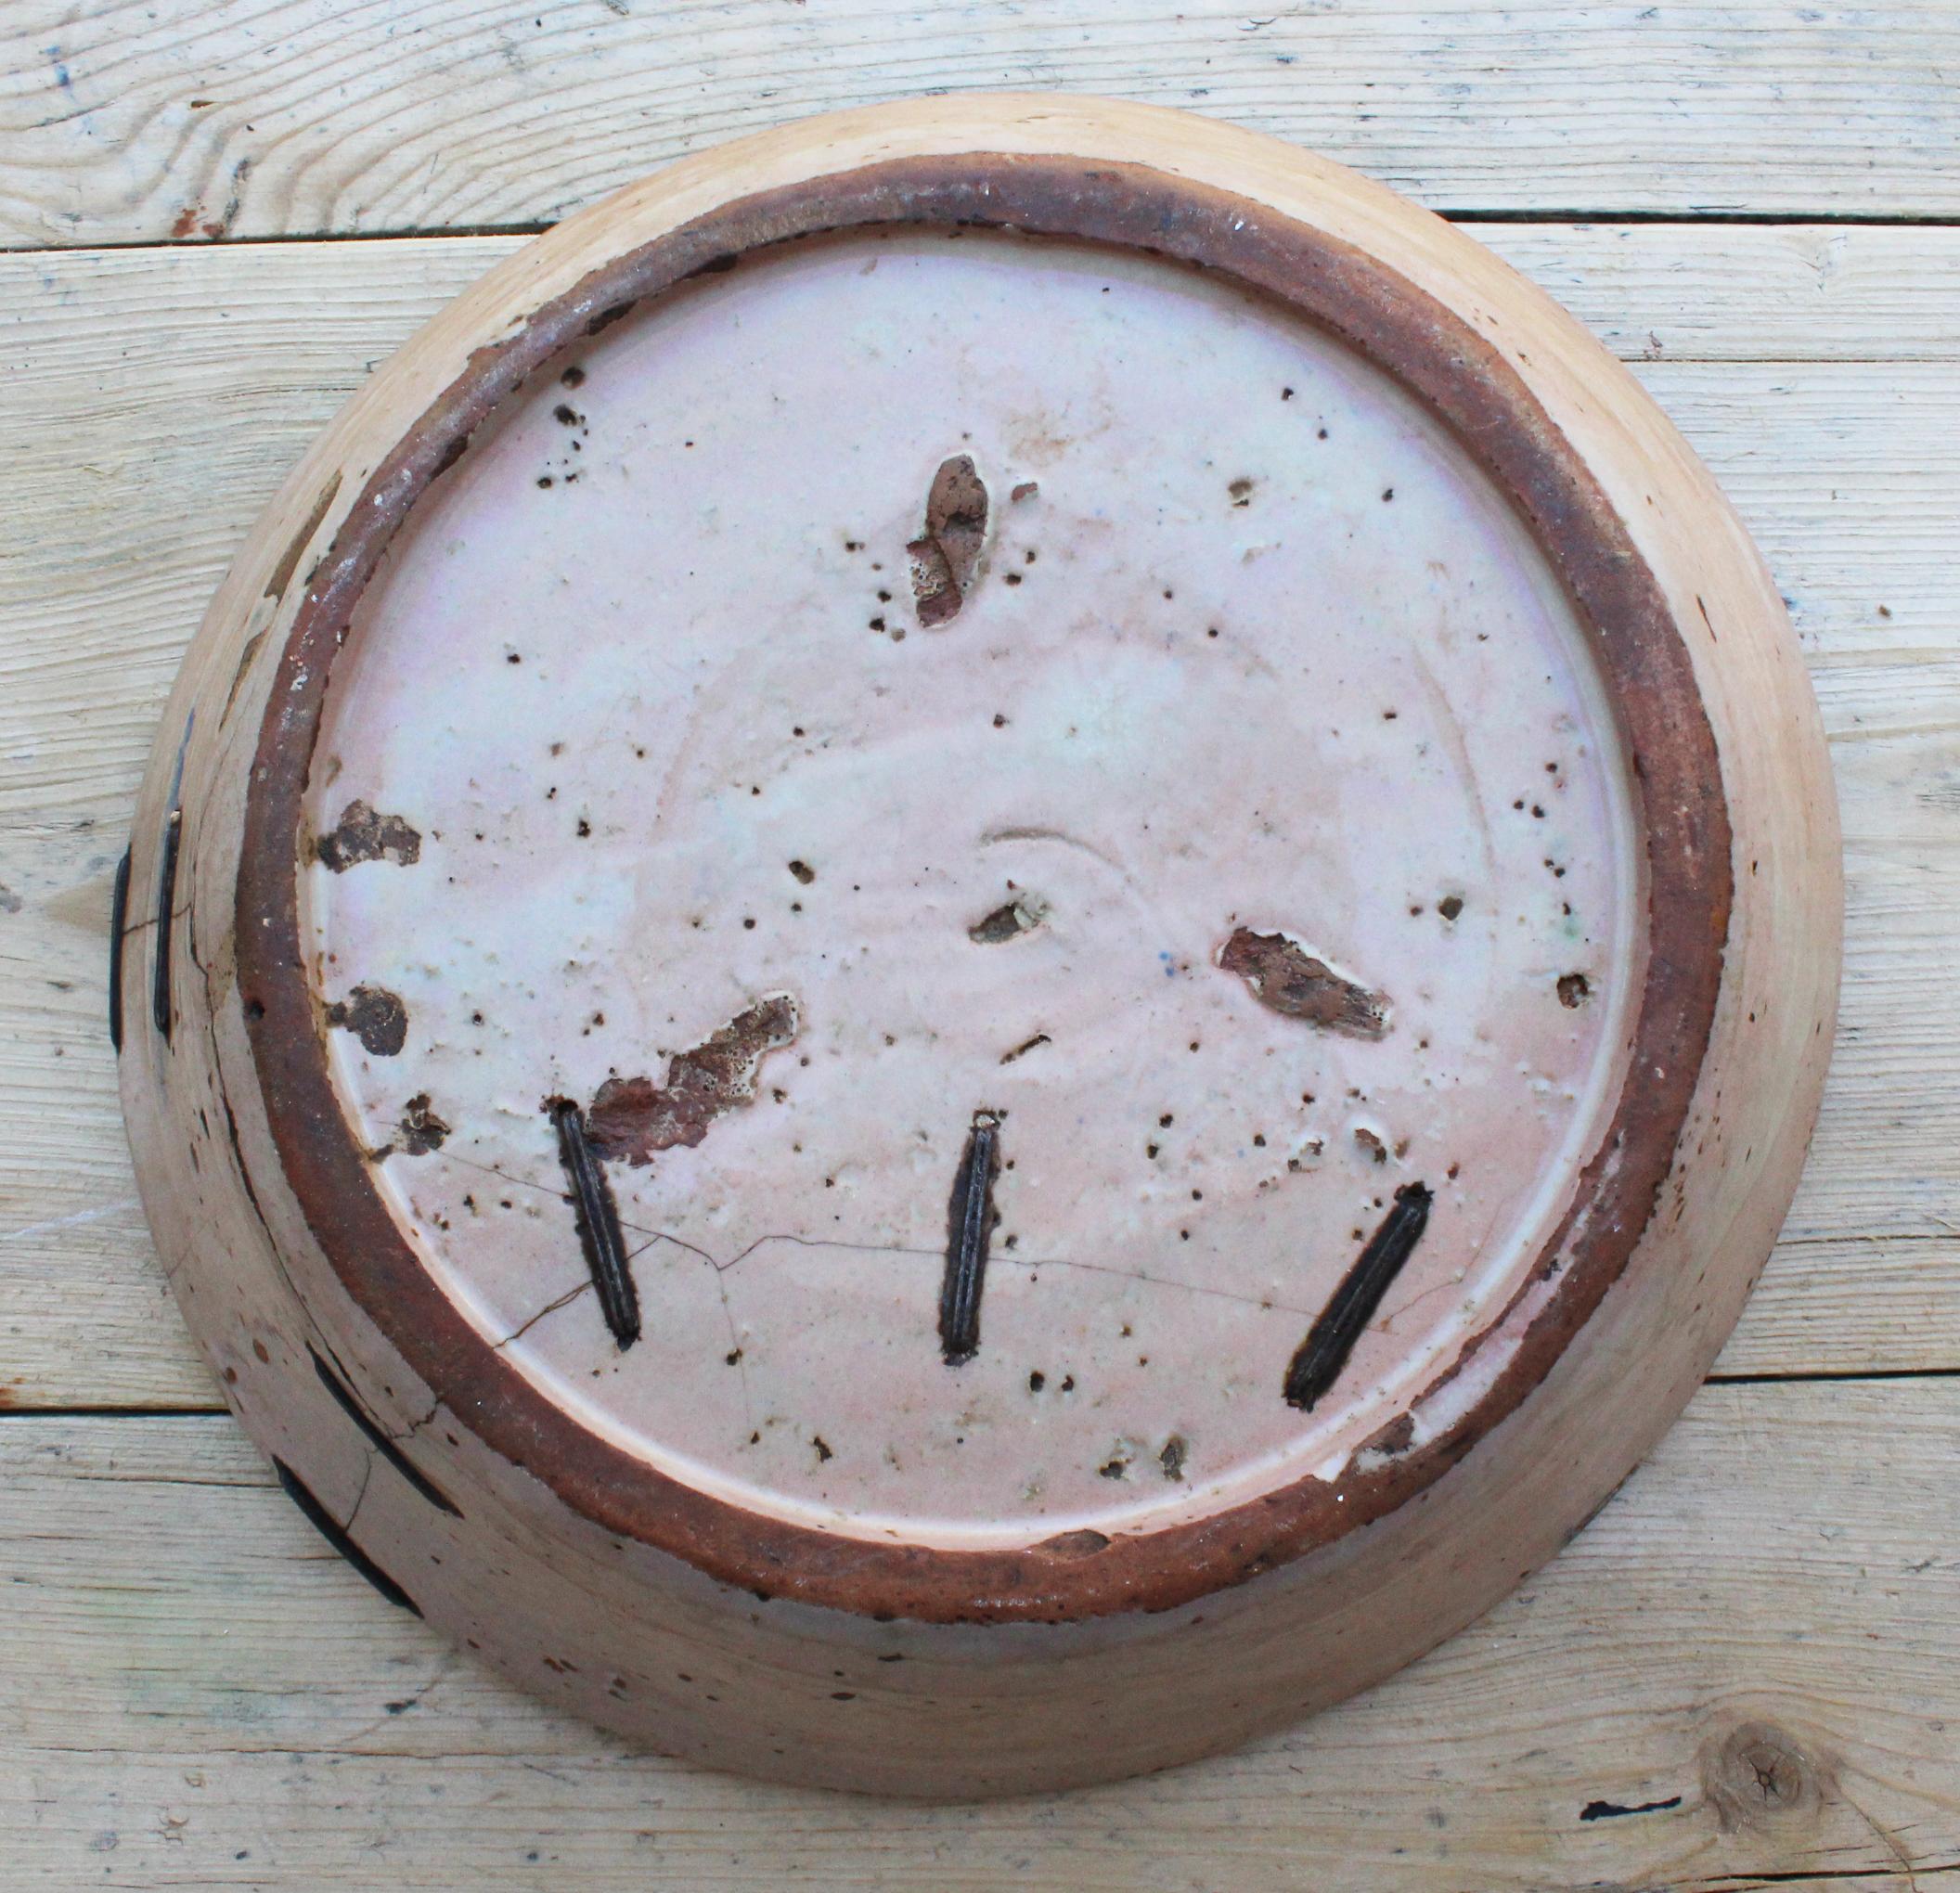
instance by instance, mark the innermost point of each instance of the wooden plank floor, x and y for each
(1746, 1673)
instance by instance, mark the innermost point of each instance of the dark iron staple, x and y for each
(969, 1220)
(1330, 1339)
(598, 1224)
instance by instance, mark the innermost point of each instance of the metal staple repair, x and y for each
(969, 1220)
(1329, 1342)
(598, 1224)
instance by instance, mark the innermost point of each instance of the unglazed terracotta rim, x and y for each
(1679, 815)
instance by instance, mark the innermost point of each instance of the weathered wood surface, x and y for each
(127, 487)
(126, 122)
(1752, 1643)
(195, 1692)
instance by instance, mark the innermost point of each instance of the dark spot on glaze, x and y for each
(1021, 915)
(1574, 990)
(1083, 1543)
(631, 1118)
(421, 1129)
(607, 317)
(362, 835)
(375, 1016)
(1288, 980)
(1176, 1449)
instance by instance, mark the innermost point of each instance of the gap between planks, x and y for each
(126, 119)
(1563, 218)
(1780, 1564)
(1874, 1376)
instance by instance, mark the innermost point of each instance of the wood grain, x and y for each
(235, 1707)
(193, 1691)
(133, 122)
(125, 494)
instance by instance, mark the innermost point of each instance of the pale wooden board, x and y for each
(125, 490)
(194, 1691)
(129, 120)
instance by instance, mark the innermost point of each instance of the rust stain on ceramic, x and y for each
(631, 1118)
(419, 1132)
(946, 555)
(375, 1016)
(1290, 980)
(363, 835)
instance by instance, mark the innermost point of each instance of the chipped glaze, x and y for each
(1250, 644)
